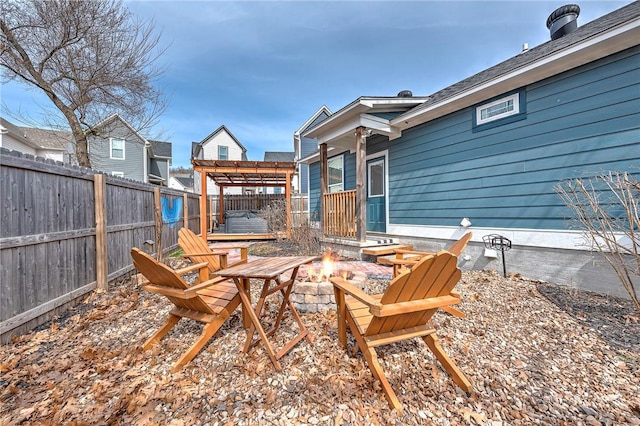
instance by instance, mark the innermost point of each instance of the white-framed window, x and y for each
(500, 108)
(116, 148)
(375, 176)
(335, 174)
(223, 152)
(119, 174)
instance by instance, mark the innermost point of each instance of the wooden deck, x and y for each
(241, 237)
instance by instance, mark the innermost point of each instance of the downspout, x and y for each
(146, 162)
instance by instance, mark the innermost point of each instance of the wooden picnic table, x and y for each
(270, 270)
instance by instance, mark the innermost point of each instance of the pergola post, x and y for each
(221, 204)
(203, 205)
(361, 187)
(287, 191)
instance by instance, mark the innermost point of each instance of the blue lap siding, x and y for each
(577, 124)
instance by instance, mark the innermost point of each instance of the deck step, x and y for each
(384, 250)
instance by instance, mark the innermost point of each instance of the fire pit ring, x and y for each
(311, 297)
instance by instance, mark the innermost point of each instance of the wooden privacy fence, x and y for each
(299, 205)
(67, 230)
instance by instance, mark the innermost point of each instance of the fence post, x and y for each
(158, 222)
(99, 185)
(185, 211)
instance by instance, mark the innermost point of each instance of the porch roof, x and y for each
(246, 173)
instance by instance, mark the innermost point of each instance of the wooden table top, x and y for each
(266, 267)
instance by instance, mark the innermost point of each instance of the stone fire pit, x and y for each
(308, 296)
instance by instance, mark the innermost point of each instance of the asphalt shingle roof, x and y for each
(279, 156)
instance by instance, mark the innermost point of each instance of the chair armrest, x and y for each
(191, 292)
(414, 306)
(213, 252)
(402, 261)
(414, 252)
(354, 291)
(191, 268)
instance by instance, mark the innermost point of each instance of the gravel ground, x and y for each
(535, 352)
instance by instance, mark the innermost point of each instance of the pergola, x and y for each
(229, 173)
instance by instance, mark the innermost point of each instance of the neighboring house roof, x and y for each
(161, 149)
(116, 116)
(184, 181)
(196, 147)
(279, 156)
(54, 140)
(597, 39)
(322, 109)
(48, 139)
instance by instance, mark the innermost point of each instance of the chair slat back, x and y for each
(433, 276)
(189, 242)
(458, 247)
(160, 274)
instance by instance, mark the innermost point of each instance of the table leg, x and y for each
(255, 320)
(246, 319)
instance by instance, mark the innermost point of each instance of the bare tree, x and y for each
(605, 208)
(90, 58)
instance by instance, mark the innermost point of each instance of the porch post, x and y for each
(323, 183)
(203, 204)
(361, 188)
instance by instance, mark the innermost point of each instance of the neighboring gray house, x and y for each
(491, 149)
(50, 144)
(115, 148)
(277, 157)
(159, 162)
(220, 144)
(304, 146)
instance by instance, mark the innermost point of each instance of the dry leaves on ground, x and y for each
(536, 354)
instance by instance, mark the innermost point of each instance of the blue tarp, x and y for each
(171, 211)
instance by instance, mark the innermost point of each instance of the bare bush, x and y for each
(305, 237)
(605, 208)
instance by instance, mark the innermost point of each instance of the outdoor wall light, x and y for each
(465, 223)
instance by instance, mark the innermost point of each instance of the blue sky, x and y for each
(263, 68)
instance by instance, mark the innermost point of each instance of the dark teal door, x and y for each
(376, 198)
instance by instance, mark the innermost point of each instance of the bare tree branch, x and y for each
(91, 59)
(605, 208)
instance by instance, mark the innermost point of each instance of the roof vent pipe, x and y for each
(405, 94)
(563, 21)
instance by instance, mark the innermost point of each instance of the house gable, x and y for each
(104, 147)
(210, 148)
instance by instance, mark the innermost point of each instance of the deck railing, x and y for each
(339, 214)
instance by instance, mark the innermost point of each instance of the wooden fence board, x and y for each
(48, 235)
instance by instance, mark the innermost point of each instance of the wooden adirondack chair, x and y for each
(405, 259)
(210, 301)
(402, 312)
(197, 250)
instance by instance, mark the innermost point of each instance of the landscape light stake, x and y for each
(498, 242)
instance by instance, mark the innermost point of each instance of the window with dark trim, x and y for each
(501, 110)
(223, 152)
